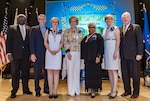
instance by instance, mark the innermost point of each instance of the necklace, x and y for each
(54, 33)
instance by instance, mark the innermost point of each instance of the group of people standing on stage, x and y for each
(43, 46)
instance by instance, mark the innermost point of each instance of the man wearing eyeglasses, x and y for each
(37, 51)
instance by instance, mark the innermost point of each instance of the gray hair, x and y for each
(125, 13)
(54, 18)
(92, 23)
(41, 15)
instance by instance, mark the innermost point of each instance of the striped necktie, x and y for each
(43, 31)
(124, 29)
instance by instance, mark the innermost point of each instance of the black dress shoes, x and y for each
(125, 94)
(50, 96)
(46, 92)
(112, 97)
(109, 94)
(13, 95)
(55, 96)
(134, 96)
(93, 95)
(38, 94)
(28, 92)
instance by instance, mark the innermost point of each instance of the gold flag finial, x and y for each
(6, 10)
(26, 13)
(144, 8)
(15, 18)
(36, 11)
(25, 9)
(16, 9)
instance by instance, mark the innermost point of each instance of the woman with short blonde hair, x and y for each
(54, 19)
(111, 37)
(53, 42)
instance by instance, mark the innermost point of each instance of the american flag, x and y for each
(3, 36)
(26, 14)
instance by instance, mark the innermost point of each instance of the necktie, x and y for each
(124, 29)
(43, 31)
(22, 33)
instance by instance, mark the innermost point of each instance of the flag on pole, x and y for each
(3, 36)
(37, 14)
(15, 19)
(146, 35)
(26, 14)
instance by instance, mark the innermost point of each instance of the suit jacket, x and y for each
(132, 42)
(15, 43)
(37, 42)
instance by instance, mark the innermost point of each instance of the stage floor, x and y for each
(5, 88)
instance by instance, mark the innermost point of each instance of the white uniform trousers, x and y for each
(73, 73)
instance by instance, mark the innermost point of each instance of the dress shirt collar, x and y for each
(42, 28)
(127, 26)
(20, 26)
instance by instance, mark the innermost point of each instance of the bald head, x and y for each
(126, 18)
(21, 19)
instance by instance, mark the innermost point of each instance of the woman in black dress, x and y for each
(92, 47)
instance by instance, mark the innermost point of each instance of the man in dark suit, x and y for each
(37, 51)
(17, 47)
(131, 51)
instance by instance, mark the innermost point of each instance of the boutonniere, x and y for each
(128, 28)
(94, 37)
(112, 28)
(79, 31)
(60, 32)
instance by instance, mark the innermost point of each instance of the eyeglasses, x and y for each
(91, 27)
(42, 19)
(55, 22)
